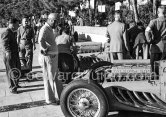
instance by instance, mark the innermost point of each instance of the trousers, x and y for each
(116, 56)
(155, 57)
(13, 69)
(26, 54)
(52, 85)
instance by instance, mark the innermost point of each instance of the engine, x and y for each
(129, 70)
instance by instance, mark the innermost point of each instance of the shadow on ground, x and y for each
(22, 106)
(28, 90)
(34, 67)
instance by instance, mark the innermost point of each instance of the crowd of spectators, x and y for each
(137, 41)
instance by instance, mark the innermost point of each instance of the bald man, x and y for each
(49, 59)
(155, 32)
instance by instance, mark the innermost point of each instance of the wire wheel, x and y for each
(83, 103)
(84, 98)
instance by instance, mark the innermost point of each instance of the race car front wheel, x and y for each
(84, 99)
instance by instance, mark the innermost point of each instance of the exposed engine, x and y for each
(129, 73)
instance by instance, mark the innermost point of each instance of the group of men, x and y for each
(18, 44)
(154, 35)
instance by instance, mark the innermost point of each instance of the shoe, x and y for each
(58, 102)
(18, 86)
(53, 103)
(14, 91)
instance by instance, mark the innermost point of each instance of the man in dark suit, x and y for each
(118, 38)
(10, 54)
(155, 32)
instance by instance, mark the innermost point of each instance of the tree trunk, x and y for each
(135, 10)
(129, 4)
(154, 8)
(90, 19)
(96, 11)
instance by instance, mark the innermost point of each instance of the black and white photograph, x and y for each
(82, 58)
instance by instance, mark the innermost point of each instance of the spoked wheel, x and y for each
(84, 99)
(87, 103)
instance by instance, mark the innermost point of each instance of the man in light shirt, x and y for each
(119, 43)
(26, 42)
(49, 55)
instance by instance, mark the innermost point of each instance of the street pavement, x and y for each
(29, 102)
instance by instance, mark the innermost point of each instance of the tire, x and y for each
(81, 101)
(87, 61)
(100, 77)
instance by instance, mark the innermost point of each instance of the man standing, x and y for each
(49, 59)
(26, 41)
(10, 54)
(118, 40)
(155, 33)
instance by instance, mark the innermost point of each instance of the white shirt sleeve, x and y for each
(41, 39)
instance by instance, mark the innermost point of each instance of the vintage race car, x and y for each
(123, 85)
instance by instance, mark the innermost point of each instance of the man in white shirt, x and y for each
(49, 55)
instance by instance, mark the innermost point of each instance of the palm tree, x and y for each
(154, 8)
(134, 2)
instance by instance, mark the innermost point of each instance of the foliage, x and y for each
(146, 13)
(17, 8)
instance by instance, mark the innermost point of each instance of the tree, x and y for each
(146, 13)
(134, 2)
(154, 8)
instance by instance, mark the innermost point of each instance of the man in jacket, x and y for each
(10, 54)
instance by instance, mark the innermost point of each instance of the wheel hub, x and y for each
(83, 104)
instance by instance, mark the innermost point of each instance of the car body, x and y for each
(123, 85)
(131, 87)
